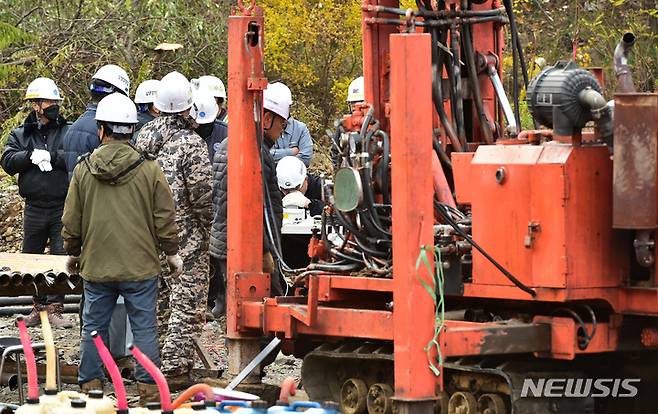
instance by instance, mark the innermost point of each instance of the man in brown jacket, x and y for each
(118, 216)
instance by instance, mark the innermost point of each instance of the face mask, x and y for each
(204, 130)
(51, 112)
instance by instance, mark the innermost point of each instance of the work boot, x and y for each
(33, 319)
(220, 305)
(179, 382)
(148, 393)
(55, 317)
(94, 384)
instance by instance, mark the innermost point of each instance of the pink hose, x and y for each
(113, 370)
(30, 362)
(156, 374)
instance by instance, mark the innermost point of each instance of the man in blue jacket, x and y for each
(34, 152)
(82, 136)
(295, 140)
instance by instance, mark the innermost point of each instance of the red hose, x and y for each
(191, 392)
(156, 374)
(30, 362)
(113, 370)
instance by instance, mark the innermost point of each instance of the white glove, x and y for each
(73, 265)
(295, 199)
(175, 264)
(45, 166)
(39, 155)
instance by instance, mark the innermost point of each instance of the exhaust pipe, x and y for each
(622, 68)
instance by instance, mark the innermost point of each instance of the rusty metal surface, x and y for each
(635, 182)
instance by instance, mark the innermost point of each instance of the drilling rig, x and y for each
(463, 264)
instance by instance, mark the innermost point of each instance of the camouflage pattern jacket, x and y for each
(183, 156)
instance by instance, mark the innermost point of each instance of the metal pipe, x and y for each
(622, 68)
(9, 380)
(591, 99)
(5, 279)
(504, 102)
(25, 310)
(16, 279)
(27, 300)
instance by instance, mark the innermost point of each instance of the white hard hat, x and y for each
(174, 94)
(43, 88)
(204, 109)
(290, 172)
(277, 98)
(210, 84)
(146, 91)
(355, 92)
(117, 108)
(115, 76)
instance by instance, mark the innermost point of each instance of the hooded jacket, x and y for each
(119, 214)
(40, 189)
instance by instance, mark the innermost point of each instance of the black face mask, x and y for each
(52, 112)
(204, 130)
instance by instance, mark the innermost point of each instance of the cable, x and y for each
(440, 208)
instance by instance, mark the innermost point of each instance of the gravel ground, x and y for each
(68, 340)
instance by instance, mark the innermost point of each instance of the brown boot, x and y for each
(55, 317)
(94, 384)
(179, 382)
(33, 319)
(148, 393)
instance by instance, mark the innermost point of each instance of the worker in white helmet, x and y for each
(215, 87)
(118, 217)
(205, 111)
(295, 139)
(355, 93)
(34, 151)
(144, 98)
(299, 188)
(183, 156)
(300, 191)
(276, 105)
(82, 137)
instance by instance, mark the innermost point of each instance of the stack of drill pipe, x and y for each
(33, 271)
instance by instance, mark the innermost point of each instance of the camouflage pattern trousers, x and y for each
(182, 305)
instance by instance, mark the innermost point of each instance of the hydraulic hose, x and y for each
(445, 214)
(326, 267)
(383, 165)
(47, 332)
(517, 55)
(113, 370)
(158, 377)
(195, 389)
(437, 88)
(457, 81)
(30, 362)
(475, 83)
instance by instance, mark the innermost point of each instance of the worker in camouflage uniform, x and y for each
(183, 156)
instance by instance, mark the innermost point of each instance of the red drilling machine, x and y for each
(463, 265)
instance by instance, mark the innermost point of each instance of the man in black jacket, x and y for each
(34, 151)
(277, 111)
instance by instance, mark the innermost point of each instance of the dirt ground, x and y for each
(68, 340)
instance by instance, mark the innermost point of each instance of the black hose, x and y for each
(383, 166)
(475, 83)
(457, 82)
(437, 87)
(515, 61)
(448, 219)
(327, 267)
(438, 148)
